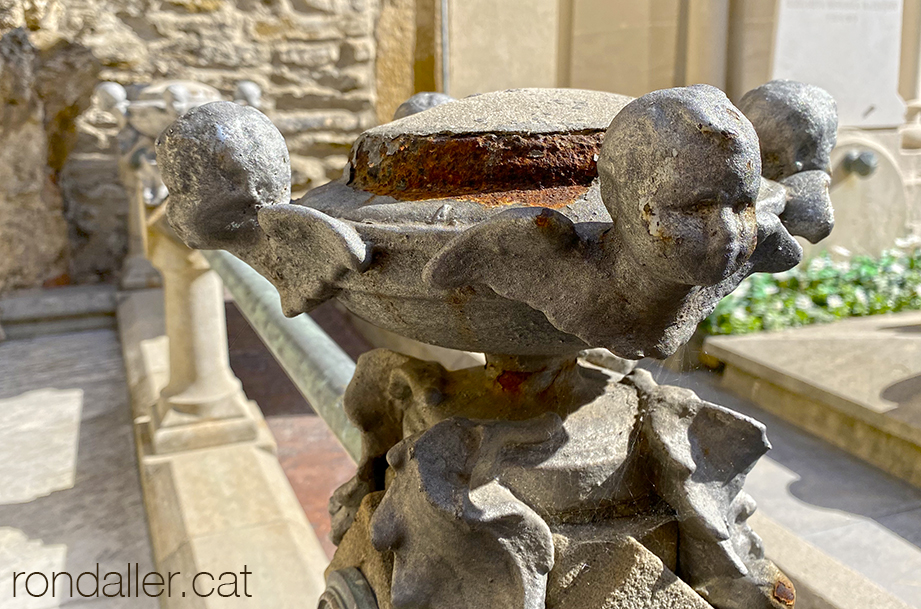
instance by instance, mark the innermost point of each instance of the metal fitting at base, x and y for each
(347, 589)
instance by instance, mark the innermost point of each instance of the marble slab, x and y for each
(39, 432)
(851, 48)
(19, 554)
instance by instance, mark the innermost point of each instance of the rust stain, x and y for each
(554, 198)
(542, 220)
(413, 168)
(511, 380)
(784, 593)
(461, 296)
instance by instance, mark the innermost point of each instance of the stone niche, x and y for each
(44, 92)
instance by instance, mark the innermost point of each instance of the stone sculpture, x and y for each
(142, 112)
(529, 225)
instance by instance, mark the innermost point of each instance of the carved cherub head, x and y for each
(222, 162)
(680, 171)
(796, 123)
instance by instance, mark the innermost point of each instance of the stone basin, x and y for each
(506, 180)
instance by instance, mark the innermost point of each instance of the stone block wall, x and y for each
(42, 92)
(314, 59)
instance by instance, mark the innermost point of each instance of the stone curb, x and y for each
(821, 581)
(215, 509)
(893, 454)
(29, 313)
(877, 438)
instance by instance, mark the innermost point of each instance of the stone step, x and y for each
(38, 312)
(854, 383)
(821, 581)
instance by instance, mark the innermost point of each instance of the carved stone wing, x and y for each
(304, 253)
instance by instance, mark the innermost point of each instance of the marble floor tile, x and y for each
(99, 518)
(877, 553)
(906, 524)
(19, 554)
(38, 443)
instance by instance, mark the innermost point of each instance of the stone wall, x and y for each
(314, 59)
(42, 92)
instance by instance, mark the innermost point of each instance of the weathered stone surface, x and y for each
(18, 76)
(323, 45)
(679, 188)
(248, 150)
(687, 210)
(28, 13)
(96, 215)
(420, 102)
(30, 207)
(808, 212)
(480, 467)
(618, 458)
(797, 125)
(355, 550)
(494, 546)
(619, 573)
(44, 93)
(29, 203)
(701, 193)
(64, 80)
(549, 137)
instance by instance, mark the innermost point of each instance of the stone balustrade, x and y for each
(203, 404)
(215, 493)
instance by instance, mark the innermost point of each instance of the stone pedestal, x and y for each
(203, 404)
(137, 272)
(530, 239)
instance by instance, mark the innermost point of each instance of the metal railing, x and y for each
(319, 368)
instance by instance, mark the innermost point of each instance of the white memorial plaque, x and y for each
(851, 49)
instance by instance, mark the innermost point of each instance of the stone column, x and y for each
(137, 271)
(203, 404)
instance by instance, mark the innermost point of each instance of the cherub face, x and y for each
(797, 125)
(221, 162)
(680, 172)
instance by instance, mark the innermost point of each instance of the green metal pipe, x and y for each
(319, 368)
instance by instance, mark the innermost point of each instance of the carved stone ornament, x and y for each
(142, 113)
(530, 225)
